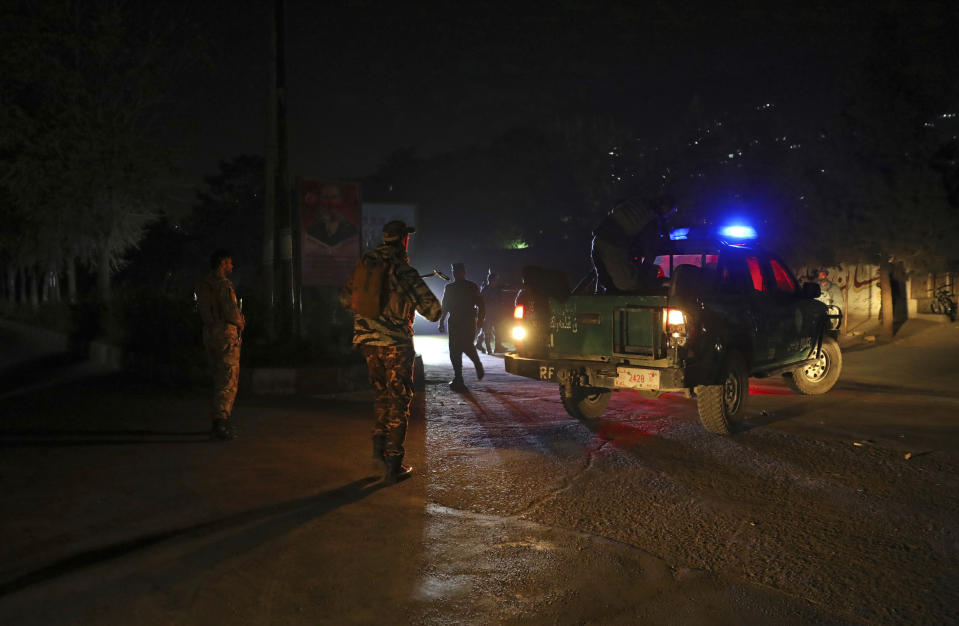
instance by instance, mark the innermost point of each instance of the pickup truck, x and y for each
(719, 312)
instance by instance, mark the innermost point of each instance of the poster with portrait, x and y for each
(329, 231)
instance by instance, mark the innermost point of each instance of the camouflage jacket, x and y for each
(407, 294)
(216, 302)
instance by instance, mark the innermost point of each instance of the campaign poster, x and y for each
(329, 231)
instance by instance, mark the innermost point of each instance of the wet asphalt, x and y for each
(118, 508)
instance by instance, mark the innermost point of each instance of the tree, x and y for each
(227, 214)
(899, 183)
(82, 84)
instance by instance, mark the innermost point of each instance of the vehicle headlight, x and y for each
(519, 333)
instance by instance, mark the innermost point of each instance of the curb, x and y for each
(321, 380)
(308, 380)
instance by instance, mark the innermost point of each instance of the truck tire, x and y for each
(719, 405)
(820, 376)
(586, 403)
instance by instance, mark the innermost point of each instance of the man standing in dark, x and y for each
(386, 342)
(497, 307)
(222, 324)
(628, 225)
(461, 302)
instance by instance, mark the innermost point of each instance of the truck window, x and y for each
(732, 275)
(784, 281)
(699, 260)
(756, 273)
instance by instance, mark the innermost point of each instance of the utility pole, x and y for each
(286, 293)
(269, 184)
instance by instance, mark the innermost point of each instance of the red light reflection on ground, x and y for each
(768, 389)
(633, 419)
(628, 434)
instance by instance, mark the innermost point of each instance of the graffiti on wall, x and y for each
(859, 285)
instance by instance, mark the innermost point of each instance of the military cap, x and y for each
(397, 229)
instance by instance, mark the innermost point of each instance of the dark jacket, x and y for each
(461, 299)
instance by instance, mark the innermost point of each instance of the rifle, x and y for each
(435, 272)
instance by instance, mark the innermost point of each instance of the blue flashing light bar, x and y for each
(738, 232)
(679, 233)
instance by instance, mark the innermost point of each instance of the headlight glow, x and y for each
(519, 333)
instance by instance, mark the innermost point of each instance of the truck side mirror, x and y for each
(811, 290)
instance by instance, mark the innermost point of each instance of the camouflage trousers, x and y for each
(391, 375)
(222, 345)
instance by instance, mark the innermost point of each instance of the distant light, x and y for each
(738, 232)
(517, 244)
(679, 233)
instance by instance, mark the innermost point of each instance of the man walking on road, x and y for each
(222, 324)
(461, 302)
(386, 342)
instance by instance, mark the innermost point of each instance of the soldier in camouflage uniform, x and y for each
(387, 343)
(222, 324)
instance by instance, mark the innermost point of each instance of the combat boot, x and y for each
(480, 372)
(457, 384)
(222, 430)
(396, 471)
(379, 451)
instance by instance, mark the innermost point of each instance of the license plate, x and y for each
(636, 378)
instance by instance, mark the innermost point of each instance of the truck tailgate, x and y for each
(617, 325)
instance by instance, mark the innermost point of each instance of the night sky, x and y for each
(366, 78)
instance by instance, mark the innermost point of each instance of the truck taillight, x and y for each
(674, 321)
(518, 312)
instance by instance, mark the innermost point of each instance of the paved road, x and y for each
(118, 510)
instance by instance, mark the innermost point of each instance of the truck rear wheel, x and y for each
(585, 402)
(820, 375)
(719, 405)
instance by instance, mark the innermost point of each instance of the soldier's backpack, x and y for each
(369, 280)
